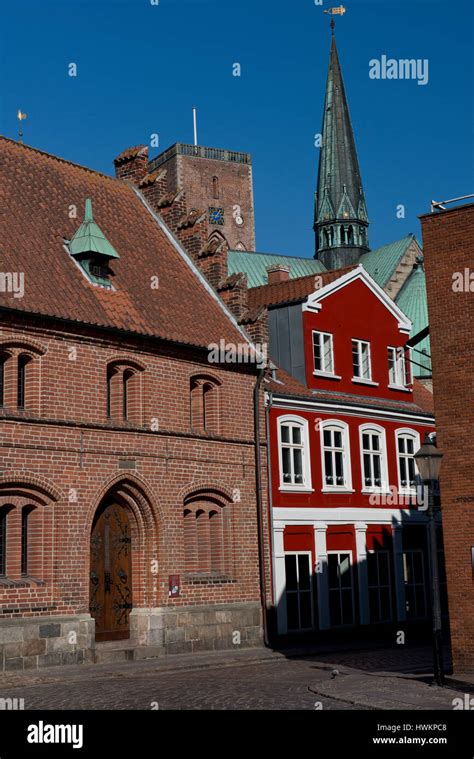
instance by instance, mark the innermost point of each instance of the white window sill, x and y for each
(401, 388)
(295, 489)
(337, 490)
(327, 375)
(362, 381)
(375, 491)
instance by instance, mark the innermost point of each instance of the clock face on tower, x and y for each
(216, 216)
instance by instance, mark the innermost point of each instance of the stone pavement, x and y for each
(251, 679)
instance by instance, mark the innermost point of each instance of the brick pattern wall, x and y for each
(448, 243)
(63, 455)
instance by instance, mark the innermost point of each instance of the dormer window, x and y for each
(92, 251)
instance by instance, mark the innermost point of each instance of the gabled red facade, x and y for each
(348, 524)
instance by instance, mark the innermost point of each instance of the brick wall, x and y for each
(63, 454)
(448, 243)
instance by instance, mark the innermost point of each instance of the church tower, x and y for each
(340, 219)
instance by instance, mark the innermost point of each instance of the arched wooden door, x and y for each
(111, 573)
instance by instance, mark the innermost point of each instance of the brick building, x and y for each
(127, 459)
(448, 240)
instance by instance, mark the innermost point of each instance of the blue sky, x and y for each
(141, 68)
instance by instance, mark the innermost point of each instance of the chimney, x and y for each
(278, 273)
(132, 164)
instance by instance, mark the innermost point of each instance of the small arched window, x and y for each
(25, 519)
(215, 188)
(207, 535)
(123, 393)
(3, 359)
(343, 235)
(127, 382)
(23, 361)
(205, 405)
(3, 540)
(350, 236)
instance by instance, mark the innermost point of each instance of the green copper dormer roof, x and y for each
(412, 299)
(89, 238)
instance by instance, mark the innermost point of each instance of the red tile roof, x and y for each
(293, 290)
(286, 385)
(36, 193)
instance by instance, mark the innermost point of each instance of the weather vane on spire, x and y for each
(339, 11)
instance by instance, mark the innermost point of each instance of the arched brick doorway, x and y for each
(111, 598)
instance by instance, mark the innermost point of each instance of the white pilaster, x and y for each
(280, 578)
(397, 532)
(321, 571)
(361, 558)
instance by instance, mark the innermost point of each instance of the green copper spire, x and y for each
(89, 238)
(341, 220)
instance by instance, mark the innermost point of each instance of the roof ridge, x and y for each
(329, 272)
(58, 158)
(275, 255)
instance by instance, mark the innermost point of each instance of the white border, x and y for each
(303, 424)
(384, 489)
(416, 437)
(346, 456)
(313, 302)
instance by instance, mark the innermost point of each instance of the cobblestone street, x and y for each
(249, 680)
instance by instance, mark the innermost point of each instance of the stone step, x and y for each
(106, 654)
(111, 655)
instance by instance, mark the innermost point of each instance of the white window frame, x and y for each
(343, 428)
(311, 591)
(300, 421)
(324, 372)
(415, 436)
(351, 562)
(385, 485)
(400, 369)
(356, 378)
(369, 587)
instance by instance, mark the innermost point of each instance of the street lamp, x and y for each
(428, 460)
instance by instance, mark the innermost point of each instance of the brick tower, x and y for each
(216, 182)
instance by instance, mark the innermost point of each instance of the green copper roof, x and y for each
(412, 300)
(254, 265)
(89, 238)
(382, 262)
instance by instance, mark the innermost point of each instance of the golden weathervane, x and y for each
(339, 11)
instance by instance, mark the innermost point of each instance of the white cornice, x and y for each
(313, 301)
(329, 407)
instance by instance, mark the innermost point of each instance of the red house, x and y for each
(349, 540)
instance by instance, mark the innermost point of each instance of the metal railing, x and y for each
(198, 151)
(441, 205)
